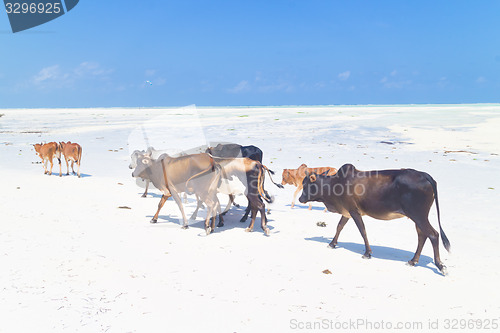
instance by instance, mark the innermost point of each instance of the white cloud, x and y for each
(54, 77)
(281, 86)
(51, 73)
(242, 86)
(150, 72)
(344, 75)
(481, 79)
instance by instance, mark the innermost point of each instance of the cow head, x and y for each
(311, 189)
(133, 158)
(37, 148)
(143, 165)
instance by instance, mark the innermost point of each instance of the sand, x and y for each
(72, 260)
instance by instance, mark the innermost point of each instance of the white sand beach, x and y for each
(72, 261)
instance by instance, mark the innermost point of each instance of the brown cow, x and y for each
(196, 174)
(47, 152)
(296, 176)
(383, 195)
(72, 152)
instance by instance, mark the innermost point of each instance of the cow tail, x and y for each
(79, 155)
(211, 168)
(446, 242)
(260, 186)
(270, 172)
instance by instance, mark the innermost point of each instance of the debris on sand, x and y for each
(124, 207)
(321, 224)
(459, 151)
(327, 271)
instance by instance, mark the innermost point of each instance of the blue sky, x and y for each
(213, 53)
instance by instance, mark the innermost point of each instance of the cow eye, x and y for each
(145, 161)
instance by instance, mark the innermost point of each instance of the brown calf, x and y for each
(47, 152)
(296, 176)
(72, 152)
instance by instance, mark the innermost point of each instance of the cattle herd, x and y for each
(71, 152)
(232, 169)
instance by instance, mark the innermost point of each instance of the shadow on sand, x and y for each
(299, 206)
(381, 252)
(231, 219)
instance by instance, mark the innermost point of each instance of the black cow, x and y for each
(383, 195)
(233, 150)
(228, 150)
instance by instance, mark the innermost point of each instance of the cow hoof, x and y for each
(444, 270)
(248, 230)
(367, 256)
(153, 221)
(220, 225)
(411, 263)
(60, 175)
(185, 227)
(332, 246)
(266, 231)
(143, 196)
(243, 220)
(236, 205)
(79, 176)
(67, 173)
(208, 230)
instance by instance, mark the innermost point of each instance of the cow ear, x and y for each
(312, 178)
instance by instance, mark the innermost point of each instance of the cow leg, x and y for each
(340, 226)
(253, 216)
(263, 220)
(247, 211)
(428, 231)
(221, 221)
(72, 165)
(208, 230)
(217, 211)
(146, 190)
(160, 205)
(67, 165)
(211, 215)
(45, 171)
(178, 201)
(299, 188)
(60, 168)
(361, 227)
(51, 166)
(421, 241)
(199, 205)
(78, 173)
(228, 206)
